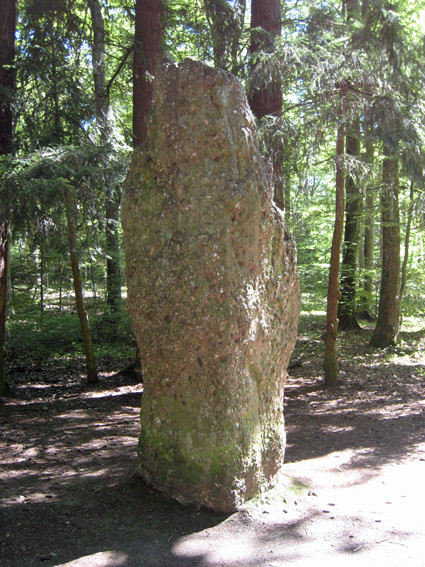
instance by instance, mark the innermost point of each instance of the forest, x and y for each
(336, 89)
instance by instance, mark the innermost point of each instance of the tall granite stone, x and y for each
(212, 293)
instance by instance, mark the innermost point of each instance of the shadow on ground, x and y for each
(70, 491)
(70, 496)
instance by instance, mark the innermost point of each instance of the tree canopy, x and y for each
(72, 103)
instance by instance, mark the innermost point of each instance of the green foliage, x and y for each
(34, 339)
(380, 52)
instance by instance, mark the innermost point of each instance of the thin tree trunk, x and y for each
(60, 284)
(3, 300)
(286, 180)
(55, 87)
(42, 262)
(92, 377)
(387, 326)
(7, 85)
(406, 247)
(369, 237)
(98, 58)
(350, 255)
(349, 267)
(330, 335)
(113, 267)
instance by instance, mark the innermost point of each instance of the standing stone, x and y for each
(212, 293)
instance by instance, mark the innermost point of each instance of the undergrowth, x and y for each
(35, 338)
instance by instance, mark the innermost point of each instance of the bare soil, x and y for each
(351, 490)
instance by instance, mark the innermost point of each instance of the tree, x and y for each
(387, 326)
(398, 120)
(7, 88)
(330, 335)
(347, 307)
(365, 310)
(146, 55)
(148, 39)
(52, 75)
(56, 187)
(406, 245)
(226, 21)
(113, 269)
(92, 377)
(265, 94)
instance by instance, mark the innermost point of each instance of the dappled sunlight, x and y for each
(100, 559)
(106, 393)
(76, 445)
(217, 548)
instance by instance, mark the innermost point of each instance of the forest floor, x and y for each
(351, 492)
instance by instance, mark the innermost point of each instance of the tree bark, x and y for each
(7, 73)
(266, 25)
(265, 98)
(92, 377)
(349, 268)
(330, 335)
(7, 85)
(147, 53)
(3, 299)
(42, 269)
(369, 237)
(113, 267)
(98, 62)
(387, 326)
(406, 246)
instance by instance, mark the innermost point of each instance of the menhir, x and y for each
(212, 292)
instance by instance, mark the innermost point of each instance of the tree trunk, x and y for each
(92, 377)
(113, 267)
(265, 97)
(98, 58)
(60, 284)
(58, 134)
(406, 247)
(387, 326)
(349, 268)
(42, 270)
(266, 24)
(3, 299)
(7, 86)
(330, 335)
(369, 238)
(7, 73)
(147, 52)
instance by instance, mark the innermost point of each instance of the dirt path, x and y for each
(352, 491)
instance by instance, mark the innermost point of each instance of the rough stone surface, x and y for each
(212, 292)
